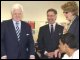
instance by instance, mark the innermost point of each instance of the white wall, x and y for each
(34, 11)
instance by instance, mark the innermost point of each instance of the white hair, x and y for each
(17, 6)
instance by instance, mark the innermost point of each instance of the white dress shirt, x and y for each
(75, 55)
(53, 26)
(19, 25)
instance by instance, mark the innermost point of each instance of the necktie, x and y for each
(18, 31)
(52, 32)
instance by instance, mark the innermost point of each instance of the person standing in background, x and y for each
(70, 10)
(16, 37)
(49, 35)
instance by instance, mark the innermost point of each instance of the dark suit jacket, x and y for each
(45, 43)
(10, 45)
(74, 29)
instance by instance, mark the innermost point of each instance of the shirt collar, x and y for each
(52, 24)
(16, 21)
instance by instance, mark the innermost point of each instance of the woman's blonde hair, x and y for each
(70, 7)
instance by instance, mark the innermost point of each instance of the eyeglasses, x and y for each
(65, 12)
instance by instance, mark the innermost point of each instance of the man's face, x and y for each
(51, 17)
(61, 47)
(17, 14)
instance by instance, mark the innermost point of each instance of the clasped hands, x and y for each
(54, 54)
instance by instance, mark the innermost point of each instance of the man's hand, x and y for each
(4, 57)
(57, 53)
(50, 54)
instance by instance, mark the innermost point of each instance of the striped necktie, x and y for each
(18, 31)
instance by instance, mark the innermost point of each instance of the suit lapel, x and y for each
(12, 29)
(73, 25)
(56, 32)
(22, 31)
(56, 28)
(48, 31)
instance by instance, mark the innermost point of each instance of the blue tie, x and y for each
(18, 31)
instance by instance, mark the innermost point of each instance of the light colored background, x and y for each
(34, 11)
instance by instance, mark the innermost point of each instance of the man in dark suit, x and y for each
(70, 10)
(49, 35)
(16, 37)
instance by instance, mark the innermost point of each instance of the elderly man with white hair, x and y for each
(16, 37)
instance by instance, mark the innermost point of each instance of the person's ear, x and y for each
(55, 16)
